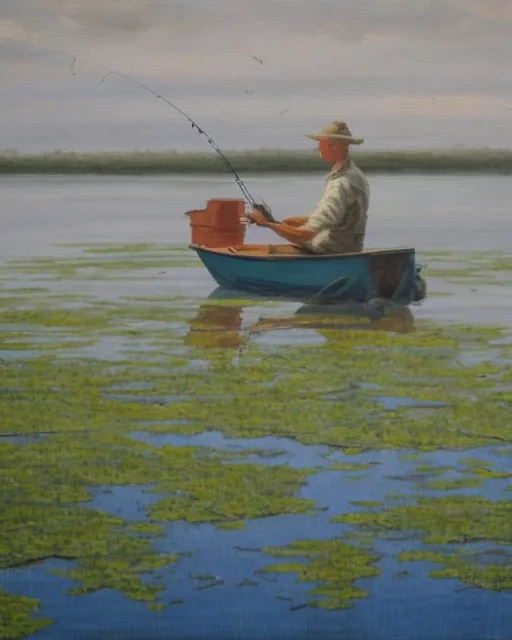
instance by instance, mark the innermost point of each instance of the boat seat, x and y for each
(266, 250)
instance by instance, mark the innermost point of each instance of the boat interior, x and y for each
(284, 250)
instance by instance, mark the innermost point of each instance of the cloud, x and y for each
(342, 19)
(12, 30)
(107, 19)
(374, 59)
(491, 9)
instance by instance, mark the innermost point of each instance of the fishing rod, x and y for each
(263, 207)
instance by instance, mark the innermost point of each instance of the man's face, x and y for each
(332, 150)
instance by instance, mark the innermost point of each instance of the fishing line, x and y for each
(263, 207)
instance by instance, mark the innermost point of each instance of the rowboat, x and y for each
(288, 271)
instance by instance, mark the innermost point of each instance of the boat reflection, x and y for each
(221, 325)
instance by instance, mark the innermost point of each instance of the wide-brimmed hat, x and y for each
(336, 131)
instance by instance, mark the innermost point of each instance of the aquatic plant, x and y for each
(96, 378)
(17, 619)
(449, 523)
(195, 487)
(333, 564)
(354, 376)
(46, 482)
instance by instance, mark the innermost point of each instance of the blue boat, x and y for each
(286, 271)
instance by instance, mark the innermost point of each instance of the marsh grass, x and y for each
(256, 161)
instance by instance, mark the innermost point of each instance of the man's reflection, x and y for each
(216, 326)
(220, 325)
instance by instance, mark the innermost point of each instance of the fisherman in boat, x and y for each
(338, 222)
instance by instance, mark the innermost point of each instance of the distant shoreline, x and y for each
(497, 161)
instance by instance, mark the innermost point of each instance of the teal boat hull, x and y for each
(390, 274)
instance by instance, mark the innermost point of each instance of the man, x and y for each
(338, 222)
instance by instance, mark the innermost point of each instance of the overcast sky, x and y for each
(403, 73)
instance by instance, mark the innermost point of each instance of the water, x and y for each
(455, 213)
(464, 213)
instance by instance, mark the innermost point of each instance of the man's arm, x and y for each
(296, 221)
(295, 235)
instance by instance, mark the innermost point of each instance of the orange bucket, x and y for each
(219, 225)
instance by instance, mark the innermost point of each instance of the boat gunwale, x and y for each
(221, 251)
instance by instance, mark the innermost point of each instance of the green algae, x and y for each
(27, 290)
(246, 390)
(17, 618)
(452, 484)
(196, 489)
(136, 247)
(431, 470)
(483, 468)
(333, 564)
(347, 466)
(27, 343)
(411, 456)
(93, 316)
(443, 520)
(108, 556)
(504, 451)
(473, 269)
(45, 483)
(277, 393)
(227, 494)
(493, 577)
(123, 265)
(146, 527)
(470, 272)
(367, 503)
(448, 522)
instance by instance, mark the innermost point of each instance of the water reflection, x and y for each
(392, 318)
(221, 325)
(217, 326)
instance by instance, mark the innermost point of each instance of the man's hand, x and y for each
(255, 217)
(292, 233)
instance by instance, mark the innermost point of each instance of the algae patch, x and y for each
(191, 487)
(18, 616)
(333, 564)
(452, 374)
(347, 466)
(451, 525)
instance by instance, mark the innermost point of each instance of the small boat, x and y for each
(288, 271)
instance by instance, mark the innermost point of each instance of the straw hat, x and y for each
(336, 131)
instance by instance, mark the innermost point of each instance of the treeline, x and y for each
(257, 161)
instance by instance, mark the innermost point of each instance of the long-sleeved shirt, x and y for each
(339, 218)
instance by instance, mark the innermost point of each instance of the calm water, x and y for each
(456, 213)
(465, 213)
(462, 213)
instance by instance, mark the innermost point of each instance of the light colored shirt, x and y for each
(339, 218)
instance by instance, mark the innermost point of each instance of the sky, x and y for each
(401, 73)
